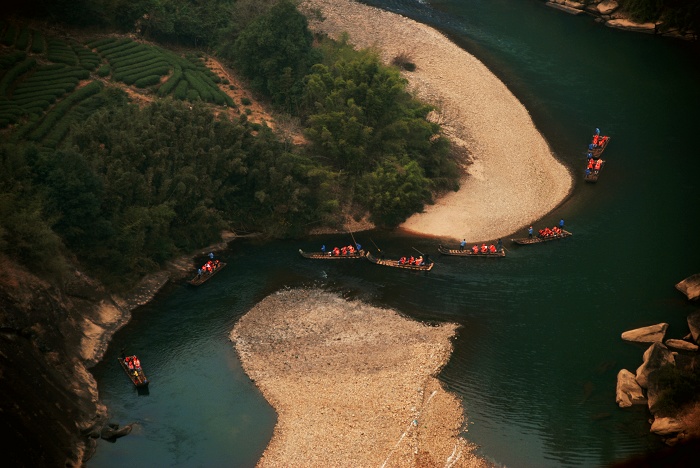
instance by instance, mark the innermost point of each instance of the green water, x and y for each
(537, 356)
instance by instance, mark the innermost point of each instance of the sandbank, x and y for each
(512, 179)
(352, 384)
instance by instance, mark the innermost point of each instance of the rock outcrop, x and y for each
(656, 357)
(681, 345)
(628, 391)
(607, 7)
(666, 427)
(690, 286)
(650, 334)
(694, 325)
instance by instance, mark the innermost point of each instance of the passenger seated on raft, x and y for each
(402, 261)
(484, 249)
(492, 248)
(475, 249)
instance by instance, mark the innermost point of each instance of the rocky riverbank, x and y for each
(609, 13)
(667, 364)
(352, 384)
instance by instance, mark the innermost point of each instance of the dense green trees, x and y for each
(274, 52)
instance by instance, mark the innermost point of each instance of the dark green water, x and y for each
(537, 357)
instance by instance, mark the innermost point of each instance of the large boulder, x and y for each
(667, 426)
(690, 286)
(656, 357)
(681, 345)
(628, 391)
(694, 325)
(629, 25)
(607, 7)
(650, 334)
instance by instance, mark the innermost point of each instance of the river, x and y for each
(536, 359)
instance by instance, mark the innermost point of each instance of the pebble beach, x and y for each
(355, 385)
(512, 178)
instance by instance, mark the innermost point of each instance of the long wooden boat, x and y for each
(330, 256)
(137, 377)
(593, 176)
(206, 276)
(470, 253)
(396, 264)
(537, 239)
(599, 150)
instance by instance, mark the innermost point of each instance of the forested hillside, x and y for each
(86, 173)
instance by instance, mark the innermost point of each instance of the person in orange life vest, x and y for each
(595, 139)
(131, 365)
(492, 248)
(598, 164)
(590, 164)
(411, 260)
(351, 250)
(484, 249)
(402, 260)
(419, 260)
(137, 363)
(336, 251)
(475, 249)
(344, 250)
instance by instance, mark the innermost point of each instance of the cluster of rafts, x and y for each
(423, 263)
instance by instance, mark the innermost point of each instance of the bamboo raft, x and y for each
(330, 256)
(396, 264)
(599, 150)
(593, 176)
(470, 253)
(206, 276)
(137, 376)
(537, 239)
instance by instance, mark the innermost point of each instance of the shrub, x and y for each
(100, 42)
(167, 87)
(147, 81)
(113, 45)
(133, 78)
(23, 39)
(103, 70)
(404, 61)
(181, 90)
(38, 42)
(192, 95)
(9, 37)
(15, 72)
(245, 101)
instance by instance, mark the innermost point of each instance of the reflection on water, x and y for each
(536, 358)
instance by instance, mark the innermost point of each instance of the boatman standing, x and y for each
(561, 224)
(462, 244)
(529, 232)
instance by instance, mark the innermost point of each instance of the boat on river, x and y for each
(329, 255)
(600, 147)
(470, 253)
(136, 375)
(206, 275)
(592, 175)
(538, 239)
(397, 264)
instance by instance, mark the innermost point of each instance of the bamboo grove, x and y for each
(87, 175)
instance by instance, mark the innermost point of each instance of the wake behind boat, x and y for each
(426, 266)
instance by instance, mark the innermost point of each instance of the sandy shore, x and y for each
(353, 385)
(514, 178)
